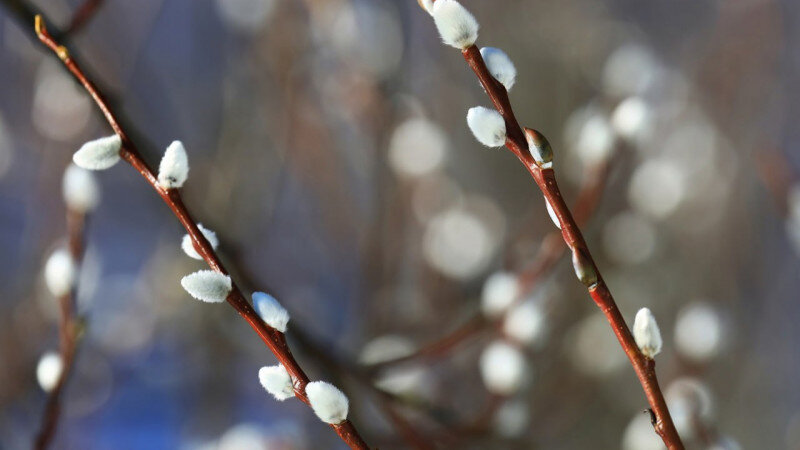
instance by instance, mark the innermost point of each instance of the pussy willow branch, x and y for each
(549, 253)
(275, 340)
(546, 180)
(69, 335)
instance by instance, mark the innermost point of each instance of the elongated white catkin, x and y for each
(328, 402)
(457, 26)
(646, 333)
(207, 285)
(500, 66)
(276, 381)
(188, 246)
(60, 273)
(271, 311)
(487, 125)
(174, 168)
(48, 370)
(99, 154)
(80, 189)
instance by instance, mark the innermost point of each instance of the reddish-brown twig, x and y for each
(545, 178)
(275, 340)
(69, 335)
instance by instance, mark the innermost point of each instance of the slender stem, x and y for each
(69, 336)
(275, 340)
(545, 179)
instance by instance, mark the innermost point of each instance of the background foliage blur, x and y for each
(329, 151)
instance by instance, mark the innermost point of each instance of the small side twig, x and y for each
(274, 339)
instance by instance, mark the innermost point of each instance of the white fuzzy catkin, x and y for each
(188, 246)
(498, 294)
(503, 368)
(271, 311)
(328, 402)
(552, 213)
(276, 381)
(207, 285)
(99, 154)
(487, 125)
(80, 189)
(646, 333)
(174, 168)
(457, 26)
(48, 370)
(60, 273)
(500, 66)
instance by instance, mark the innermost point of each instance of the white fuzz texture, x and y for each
(276, 380)
(329, 403)
(207, 286)
(60, 273)
(456, 25)
(552, 213)
(503, 368)
(81, 192)
(174, 168)
(49, 370)
(646, 333)
(525, 323)
(271, 311)
(499, 292)
(500, 66)
(188, 246)
(99, 154)
(487, 125)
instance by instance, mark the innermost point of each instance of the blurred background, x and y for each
(329, 151)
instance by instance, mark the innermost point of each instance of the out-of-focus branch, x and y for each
(83, 15)
(70, 330)
(274, 339)
(549, 253)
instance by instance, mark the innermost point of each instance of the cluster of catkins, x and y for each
(328, 402)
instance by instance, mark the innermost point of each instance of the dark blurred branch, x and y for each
(550, 252)
(70, 331)
(275, 340)
(83, 15)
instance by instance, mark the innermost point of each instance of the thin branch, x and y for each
(70, 329)
(275, 340)
(545, 178)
